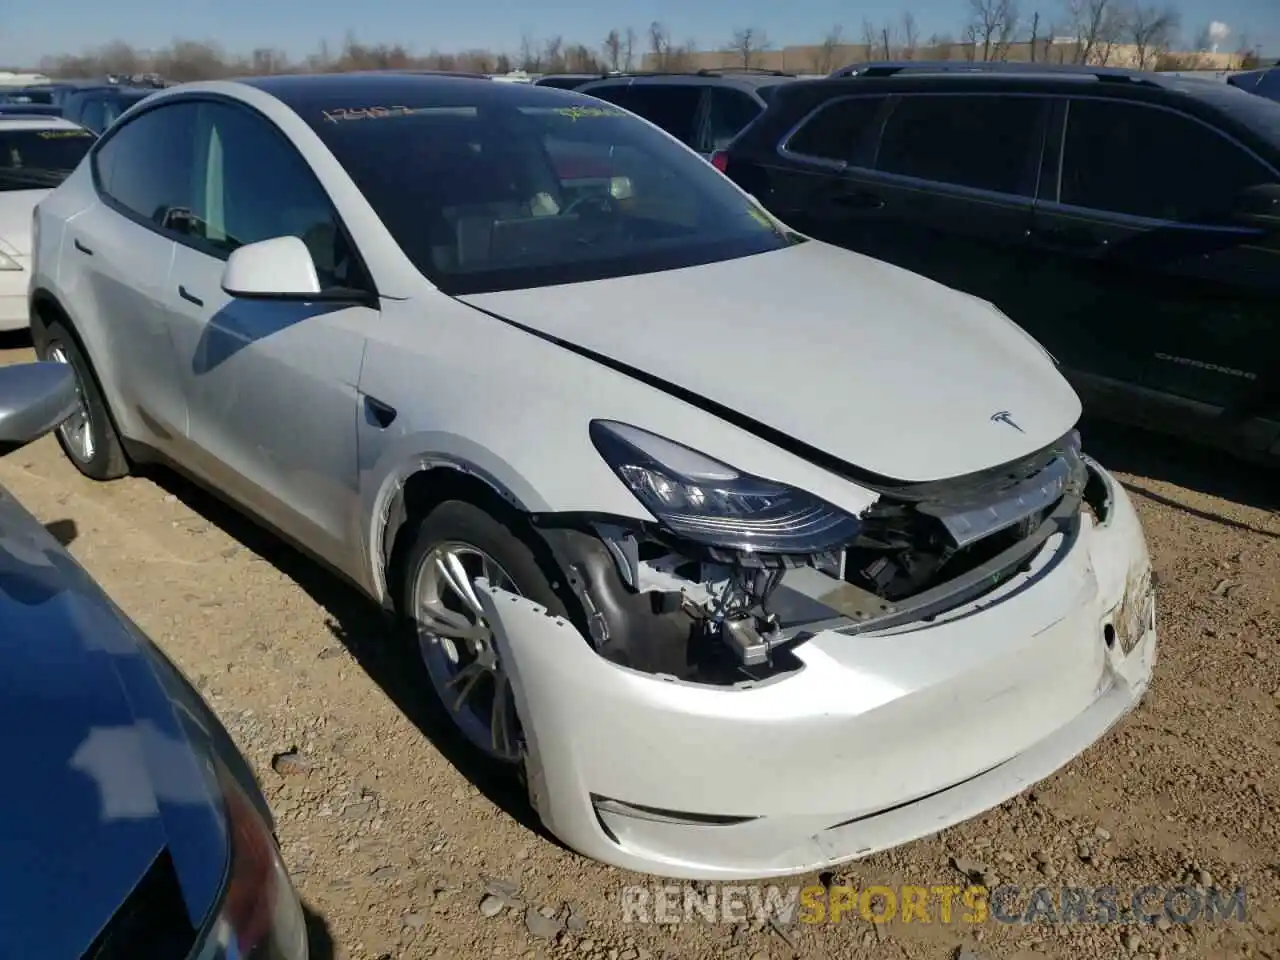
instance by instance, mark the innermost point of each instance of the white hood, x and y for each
(872, 364)
(16, 208)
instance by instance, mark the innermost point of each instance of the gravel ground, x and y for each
(401, 851)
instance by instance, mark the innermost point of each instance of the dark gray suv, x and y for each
(705, 109)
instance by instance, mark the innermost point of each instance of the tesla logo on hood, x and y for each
(1004, 416)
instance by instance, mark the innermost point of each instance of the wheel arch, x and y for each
(413, 491)
(47, 309)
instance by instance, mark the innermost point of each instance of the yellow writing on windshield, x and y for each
(62, 134)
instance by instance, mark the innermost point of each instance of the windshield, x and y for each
(530, 187)
(35, 159)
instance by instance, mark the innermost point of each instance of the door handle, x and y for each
(858, 200)
(82, 248)
(190, 297)
(1070, 240)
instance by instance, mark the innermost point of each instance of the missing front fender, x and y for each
(641, 606)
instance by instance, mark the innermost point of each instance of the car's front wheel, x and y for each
(455, 544)
(87, 437)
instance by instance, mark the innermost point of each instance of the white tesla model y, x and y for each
(756, 555)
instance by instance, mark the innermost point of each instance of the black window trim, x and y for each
(784, 149)
(1060, 131)
(892, 99)
(195, 243)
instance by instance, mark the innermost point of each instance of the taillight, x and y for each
(260, 917)
(720, 160)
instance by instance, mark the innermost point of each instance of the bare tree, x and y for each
(870, 39)
(1098, 25)
(1150, 29)
(824, 58)
(1035, 35)
(991, 28)
(910, 35)
(748, 43)
(613, 50)
(553, 55)
(530, 58)
(659, 44)
(629, 49)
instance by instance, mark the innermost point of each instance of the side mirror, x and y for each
(277, 269)
(1258, 207)
(34, 399)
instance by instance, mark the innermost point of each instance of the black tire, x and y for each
(109, 461)
(462, 522)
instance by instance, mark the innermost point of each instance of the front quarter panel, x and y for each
(474, 393)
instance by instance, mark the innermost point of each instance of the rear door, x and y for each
(1143, 279)
(120, 254)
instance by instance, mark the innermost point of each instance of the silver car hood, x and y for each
(873, 365)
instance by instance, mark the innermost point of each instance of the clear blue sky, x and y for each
(33, 29)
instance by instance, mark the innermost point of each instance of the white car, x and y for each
(755, 555)
(36, 154)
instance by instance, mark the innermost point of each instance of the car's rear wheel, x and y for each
(454, 544)
(88, 437)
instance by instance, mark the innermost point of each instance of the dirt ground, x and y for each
(392, 840)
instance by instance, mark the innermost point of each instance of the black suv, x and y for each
(1130, 222)
(705, 109)
(96, 108)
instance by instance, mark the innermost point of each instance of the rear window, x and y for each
(36, 159)
(534, 187)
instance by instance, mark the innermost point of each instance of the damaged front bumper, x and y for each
(875, 739)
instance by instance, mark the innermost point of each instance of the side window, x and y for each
(250, 184)
(1117, 157)
(730, 112)
(984, 142)
(837, 130)
(92, 114)
(673, 107)
(145, 166)
(618, 94)
(1269, 85)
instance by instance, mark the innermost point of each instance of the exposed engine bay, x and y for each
(654, 602)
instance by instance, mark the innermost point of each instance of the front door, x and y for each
(271, 386)
(1142, 275)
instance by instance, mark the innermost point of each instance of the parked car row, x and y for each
(712, 496)
(1130, 222)
(93, 104)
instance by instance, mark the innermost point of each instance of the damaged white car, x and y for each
(755, 555)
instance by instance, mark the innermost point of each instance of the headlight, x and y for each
(8, 263)
(259, 917)
(713, 504)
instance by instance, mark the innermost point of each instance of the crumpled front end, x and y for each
(859, 735)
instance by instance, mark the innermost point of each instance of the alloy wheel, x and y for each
(77, 430)
(457, 646)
